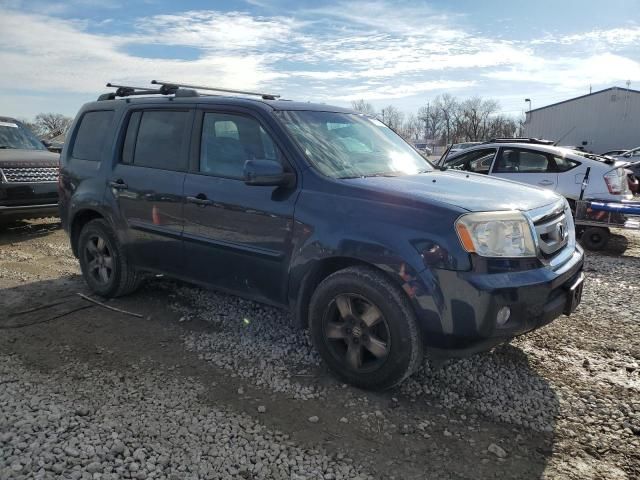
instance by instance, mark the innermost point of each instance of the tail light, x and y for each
(616, 181)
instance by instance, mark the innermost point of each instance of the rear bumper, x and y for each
(458, 318)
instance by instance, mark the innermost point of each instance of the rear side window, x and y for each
(92, 135)
(156, 139)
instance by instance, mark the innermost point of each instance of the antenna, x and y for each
(265, 96)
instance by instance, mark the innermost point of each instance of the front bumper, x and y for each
(457, 310)
(21, 201)
(25, 212)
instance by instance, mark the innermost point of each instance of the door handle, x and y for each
(200, 200)
(118, 184)
(545, 182)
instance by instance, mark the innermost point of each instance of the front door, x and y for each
(237, 237)
(526, 166)
(147, 186)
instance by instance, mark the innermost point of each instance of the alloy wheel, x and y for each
(356, 332)
(99, 259)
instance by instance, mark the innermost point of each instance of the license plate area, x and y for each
(574, 294)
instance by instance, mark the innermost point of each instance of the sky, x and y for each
(55, 56)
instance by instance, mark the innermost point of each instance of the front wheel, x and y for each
(365, 329)
(104, 266)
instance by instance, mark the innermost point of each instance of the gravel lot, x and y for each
(206, 385)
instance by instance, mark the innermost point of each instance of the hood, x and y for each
(11, 157)
(470, 191)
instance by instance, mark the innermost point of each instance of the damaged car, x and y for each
(320, 210)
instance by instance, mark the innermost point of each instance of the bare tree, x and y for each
(431, 118)
(473, 118)
(411, 129)
(392, 117)
(448, 106)
(52, 124)
(34, 127)
(501, 127)
(520, 121)
(363, 107)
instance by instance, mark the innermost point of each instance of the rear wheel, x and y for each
(103, 263)
(594, 238)
(364, 328)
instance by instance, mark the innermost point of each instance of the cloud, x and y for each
(216, 31)
(401, 90)
(348, 50)
(613, 37)
(572, 72)
(45, 54)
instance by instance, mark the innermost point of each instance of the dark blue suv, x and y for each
(320, 210)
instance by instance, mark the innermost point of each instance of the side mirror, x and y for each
(266, 173)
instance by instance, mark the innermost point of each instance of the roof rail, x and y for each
(265, 96)
(537, 141)
(129, 91)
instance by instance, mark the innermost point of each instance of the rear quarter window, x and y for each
(91, 135)
(564, 164)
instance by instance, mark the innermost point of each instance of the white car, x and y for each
(458, 147)
(541, 164)
(423, 148)
(632, 155)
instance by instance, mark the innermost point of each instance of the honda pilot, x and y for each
(316, 209)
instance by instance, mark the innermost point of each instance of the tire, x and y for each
(594, 238)
(105, 268)
(364, 328)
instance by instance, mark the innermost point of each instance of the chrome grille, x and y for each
(29, 174)
(553, 234)
(552, 227)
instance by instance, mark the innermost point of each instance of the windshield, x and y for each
(14, 135)
(346, 145)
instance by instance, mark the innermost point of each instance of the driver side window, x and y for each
(229, 140)
(477, 161)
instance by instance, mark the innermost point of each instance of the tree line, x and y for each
(441, 121)
(49, 125)
(446, 119)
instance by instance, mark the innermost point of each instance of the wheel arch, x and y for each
(321, 269)
(79, 220)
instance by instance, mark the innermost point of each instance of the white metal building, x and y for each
(605, 120)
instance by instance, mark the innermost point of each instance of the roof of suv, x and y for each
(9, 119)
(269, 105)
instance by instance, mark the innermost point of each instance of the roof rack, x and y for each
(265, 96)
(537, 141)
(129, 91)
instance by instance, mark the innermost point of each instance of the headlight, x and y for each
(496, 234)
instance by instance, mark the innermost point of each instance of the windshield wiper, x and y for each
(366, 175)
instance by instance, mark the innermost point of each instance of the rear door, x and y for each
(526, 166)
(237, 237)
(147, 186)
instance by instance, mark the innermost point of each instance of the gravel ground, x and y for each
(208, 385)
